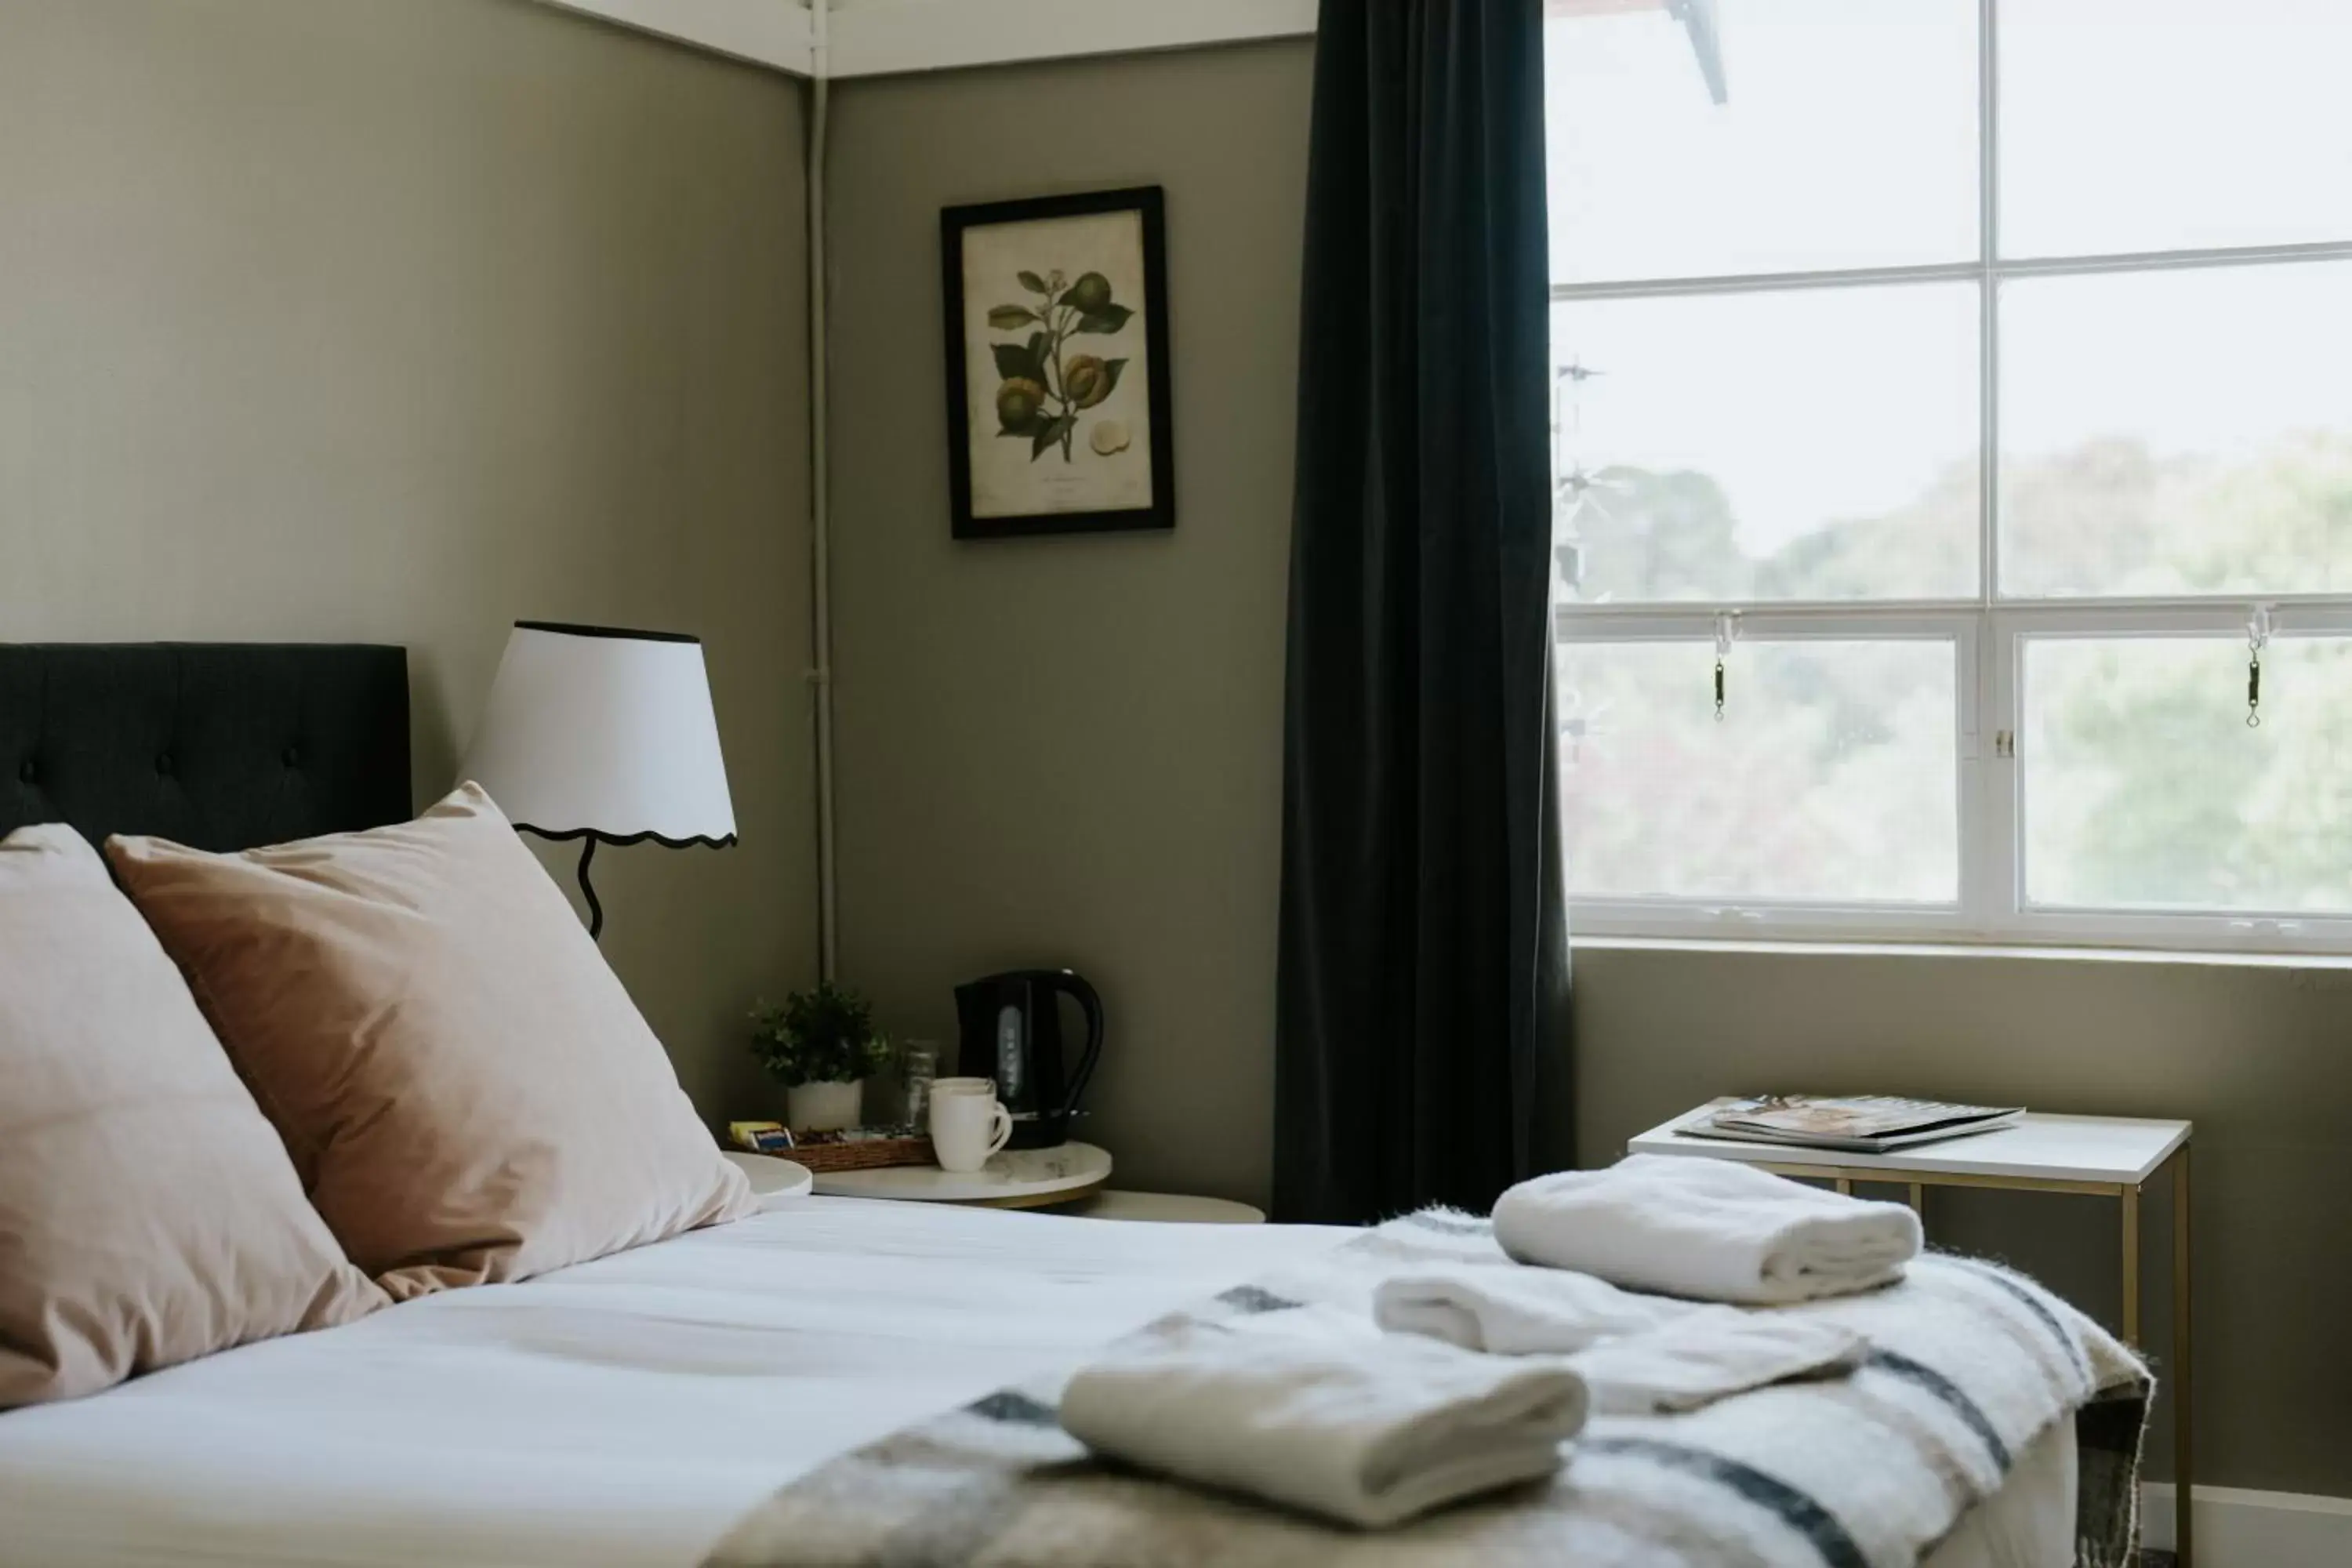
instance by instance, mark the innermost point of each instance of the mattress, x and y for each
(627, 1412)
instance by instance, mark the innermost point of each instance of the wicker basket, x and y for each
(865, 1154)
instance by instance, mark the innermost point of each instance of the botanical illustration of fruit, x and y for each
(1053, 313)
(1044, 384)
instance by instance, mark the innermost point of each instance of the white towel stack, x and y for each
(1638, 1355)
(1366, 1429)
(1316, 1409)
(1712, 1230)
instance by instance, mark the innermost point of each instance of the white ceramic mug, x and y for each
(967, 1128)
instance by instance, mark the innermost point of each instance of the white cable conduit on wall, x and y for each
(828, 921)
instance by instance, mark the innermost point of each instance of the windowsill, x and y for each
(2221, 957)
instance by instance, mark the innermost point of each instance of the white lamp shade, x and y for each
(596, 732)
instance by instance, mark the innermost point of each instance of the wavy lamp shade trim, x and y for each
(605, 735)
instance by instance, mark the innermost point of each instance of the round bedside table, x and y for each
(773, 1181)
(1015, 1179)
(1176, 1208)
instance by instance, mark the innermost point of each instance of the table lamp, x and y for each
(607, 736)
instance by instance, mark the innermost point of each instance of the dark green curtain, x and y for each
(1424, 955)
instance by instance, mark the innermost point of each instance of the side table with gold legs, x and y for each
(2103, 1156)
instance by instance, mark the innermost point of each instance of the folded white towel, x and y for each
(1707, 1229)
(1714, 1353)
(1368, 1431)
(1505, 1310)
(1639, 1355)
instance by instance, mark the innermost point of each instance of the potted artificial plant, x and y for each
(820, 1044)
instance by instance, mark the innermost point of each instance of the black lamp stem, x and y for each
(588, 890)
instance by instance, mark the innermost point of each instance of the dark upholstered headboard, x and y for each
(218, 745)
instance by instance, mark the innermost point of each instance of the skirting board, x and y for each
(2242, 1528)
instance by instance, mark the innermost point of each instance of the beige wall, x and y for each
(397, 320)
(1070, 750)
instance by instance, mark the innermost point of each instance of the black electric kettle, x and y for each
(1012, 1032)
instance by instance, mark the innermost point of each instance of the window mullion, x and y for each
(1988, 843)
(1862, 622)
(1998, 825)
(1974, 747)
(1989, 302)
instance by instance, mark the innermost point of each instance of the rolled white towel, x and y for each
(1638, 1354)
(1711, 1230)
(1366, 1431)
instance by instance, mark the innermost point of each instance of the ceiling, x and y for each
(873, 38)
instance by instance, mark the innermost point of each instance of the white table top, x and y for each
(2117, 1149)
(1015, 1175)
(1175, 1208)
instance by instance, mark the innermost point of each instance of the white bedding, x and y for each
(628, 1411)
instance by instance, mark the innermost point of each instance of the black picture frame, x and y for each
(956, 223)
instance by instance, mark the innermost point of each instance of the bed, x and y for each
(624, 1414)
(625, 1411)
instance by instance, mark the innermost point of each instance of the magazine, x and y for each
(1865, 1123)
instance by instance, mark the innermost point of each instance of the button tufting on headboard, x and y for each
(189, 741)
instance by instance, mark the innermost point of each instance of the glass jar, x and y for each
(919, 1064)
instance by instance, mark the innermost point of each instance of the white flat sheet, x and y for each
(627, 1412)
(624, 1411)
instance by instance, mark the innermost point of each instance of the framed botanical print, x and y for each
(1058, 417)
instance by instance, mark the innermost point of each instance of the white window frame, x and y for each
(1988, 630)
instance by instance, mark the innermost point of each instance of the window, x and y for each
(1953, 454)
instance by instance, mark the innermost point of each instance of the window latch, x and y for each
(2004, 744)
(2258, 637)
(1727, 632)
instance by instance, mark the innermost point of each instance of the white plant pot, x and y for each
(824, 1107)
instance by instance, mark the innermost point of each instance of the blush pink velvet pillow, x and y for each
(148, 1212)
(467, 1090)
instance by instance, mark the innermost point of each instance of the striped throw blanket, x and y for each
(1969, 1362)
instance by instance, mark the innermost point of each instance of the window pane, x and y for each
(1815, 444)
(2144, 789)
(1847, 137)
(1832, 776)
(2160, 124)
(2177, 432)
